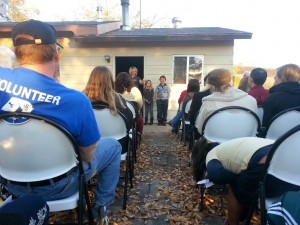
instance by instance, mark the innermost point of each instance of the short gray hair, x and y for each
(7, 57)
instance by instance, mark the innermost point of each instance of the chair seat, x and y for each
(64, 204)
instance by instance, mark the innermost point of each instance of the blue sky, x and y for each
(274, 24)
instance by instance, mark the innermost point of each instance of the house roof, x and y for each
(110, 31)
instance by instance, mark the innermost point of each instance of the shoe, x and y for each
(170, 123)
(174, 131)
(100, 214)
(159, 124)
(164, 123)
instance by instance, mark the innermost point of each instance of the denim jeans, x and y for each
(176, 119)
(162, 110)
(105, 163)
(149, 109)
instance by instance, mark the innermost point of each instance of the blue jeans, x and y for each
(176, 119)
(149, 109)
(105, 163)
(162, 110)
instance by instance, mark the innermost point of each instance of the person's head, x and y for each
(7, 57)
(193, 85)
(244, 84)
(219, 79)
(258, 77)
(123, 82)
(148, 84)
(246, 74)
(35, 43)
(162, 79)
(133, 71)
(199, 153)
(100, 87)
(287, 73)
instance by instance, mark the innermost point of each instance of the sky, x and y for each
(274, 24)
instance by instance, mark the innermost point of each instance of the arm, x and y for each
(87, 153)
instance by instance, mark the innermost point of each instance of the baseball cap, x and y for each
(42, 32)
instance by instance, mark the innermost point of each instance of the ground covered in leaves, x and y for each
(163, 190)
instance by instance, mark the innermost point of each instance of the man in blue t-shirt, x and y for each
(33, 88)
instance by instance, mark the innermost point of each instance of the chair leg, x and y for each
(126, 182)
(201, 205)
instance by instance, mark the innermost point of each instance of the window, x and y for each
(186, 68)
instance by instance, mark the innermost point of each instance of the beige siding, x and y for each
(77, 62)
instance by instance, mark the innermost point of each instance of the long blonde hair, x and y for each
(100, 87)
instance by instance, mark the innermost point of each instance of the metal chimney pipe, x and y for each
(125, 14)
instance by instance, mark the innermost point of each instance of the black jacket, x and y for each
(196, 104)
(281, 97)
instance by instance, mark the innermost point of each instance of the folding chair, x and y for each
(283, 162)
(115, 126)
(228, 123)
(185, 122)
(260, 112)
(38, 149)
(283, 122)
(133, 132)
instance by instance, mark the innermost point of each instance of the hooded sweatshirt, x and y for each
(217, 100)
(281, 97)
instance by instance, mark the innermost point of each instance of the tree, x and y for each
(18, 11)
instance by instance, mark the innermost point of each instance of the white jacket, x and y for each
(231, 97)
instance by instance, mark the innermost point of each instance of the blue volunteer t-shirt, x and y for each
(24, 90)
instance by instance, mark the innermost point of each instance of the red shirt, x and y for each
(259, 93)
(182, 95)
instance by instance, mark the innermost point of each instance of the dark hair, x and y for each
(259, 76)
(193, 85)
(199, 152)
(123, 82)
(162, 76)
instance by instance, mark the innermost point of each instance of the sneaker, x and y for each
(100, 215)
(164, 123)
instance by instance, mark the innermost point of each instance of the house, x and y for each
(177, 53)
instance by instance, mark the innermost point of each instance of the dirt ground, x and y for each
(163, 192)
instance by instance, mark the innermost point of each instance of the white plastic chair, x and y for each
(283, 122)
(185, 121)
(133, 131)
(37, 150)
(260, 113)
(114, 126)
(283, 162)
(230, 122)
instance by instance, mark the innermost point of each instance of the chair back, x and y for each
(132, 108)
(37, 149)
(260, 112)
(110, 125)
(283, 122)
(230, 122)
(188, 106)
(283, 160)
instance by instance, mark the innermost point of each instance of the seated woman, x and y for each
(124, 86)
(100, 90)
(192, 88)
(284, 94)
(223, 95)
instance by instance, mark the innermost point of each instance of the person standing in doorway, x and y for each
(162, 95)
(148, 98)
(136, 80)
